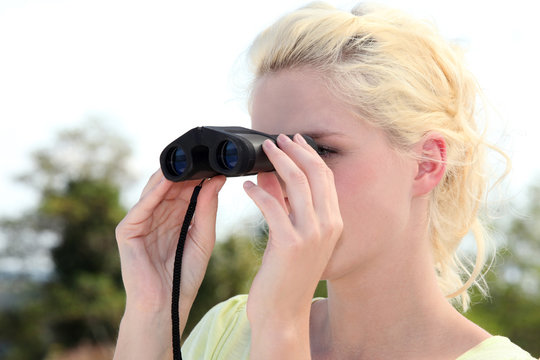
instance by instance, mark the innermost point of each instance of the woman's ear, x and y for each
(431, 154)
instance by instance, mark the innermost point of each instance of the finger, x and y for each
(276, 217)
(182, 188)
(320, 168)
(296, 183)
(149, 201)
(318, 174)
(158, 191)
(299, 139)
(270, 183)
(152, 181)
(204, 220)
(136, 223)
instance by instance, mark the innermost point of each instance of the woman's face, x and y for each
(373, 181)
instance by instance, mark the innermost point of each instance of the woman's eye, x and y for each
(325, 151)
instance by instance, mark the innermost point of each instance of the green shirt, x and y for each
(224, 333)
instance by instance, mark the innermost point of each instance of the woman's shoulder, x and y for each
(228, 309)
(223, 333)
(496, 348)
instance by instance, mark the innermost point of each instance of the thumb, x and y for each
(204, 220)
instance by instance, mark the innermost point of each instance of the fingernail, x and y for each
(248, 185)
(268, 144)
(300, 139)
(284, 138)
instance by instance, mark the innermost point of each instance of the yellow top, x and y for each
(224, 333)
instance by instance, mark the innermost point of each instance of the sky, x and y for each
(152, 70)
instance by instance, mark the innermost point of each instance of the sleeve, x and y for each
(223, 331)
(496, 348)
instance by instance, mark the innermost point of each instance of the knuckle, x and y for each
(313, 232)
(264, 199)
(337, 229)
(338, 225)
(321, 169)
(320, 166)
(318, 163)
(326, 226)
(296, 244)
(298, 176)
(332, 226)
(329, 174)
(119, 230)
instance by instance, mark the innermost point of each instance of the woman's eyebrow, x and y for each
(322, 134)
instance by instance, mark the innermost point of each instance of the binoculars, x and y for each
(207, 151)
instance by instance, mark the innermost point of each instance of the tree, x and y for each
(79, 298)
(78, 180)
(232, 267)
(512, 309)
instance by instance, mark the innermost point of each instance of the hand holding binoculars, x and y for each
(207, 151)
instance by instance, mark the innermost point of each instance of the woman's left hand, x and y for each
(302, 237)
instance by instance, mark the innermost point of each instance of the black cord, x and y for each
(175, 317)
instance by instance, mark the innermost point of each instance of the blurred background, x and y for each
(91, 92)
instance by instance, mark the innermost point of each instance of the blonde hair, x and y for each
(402, 77)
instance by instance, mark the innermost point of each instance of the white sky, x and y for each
(155, 69)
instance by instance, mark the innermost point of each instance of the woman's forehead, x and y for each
(297, 100)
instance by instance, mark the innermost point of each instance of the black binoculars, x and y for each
(207, 151)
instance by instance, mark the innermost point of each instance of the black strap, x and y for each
(175, 317)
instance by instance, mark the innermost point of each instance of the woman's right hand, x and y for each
(147, 239)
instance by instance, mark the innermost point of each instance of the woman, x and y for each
(378, 215)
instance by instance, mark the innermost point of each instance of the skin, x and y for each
(372, 248)
(355, 216)
(147, 239)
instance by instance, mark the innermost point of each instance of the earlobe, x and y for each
(431, 163)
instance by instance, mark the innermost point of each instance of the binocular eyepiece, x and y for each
(207, 151)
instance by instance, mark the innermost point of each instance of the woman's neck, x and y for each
(392, 310)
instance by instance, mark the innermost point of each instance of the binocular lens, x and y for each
(179, 161)
(207, 151)
(229, 155)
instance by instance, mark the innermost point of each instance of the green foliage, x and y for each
(513, 307)
(231, 269)
(510, 313)
(88, 212)
(79, 180)
(23, 334)
(89, 310)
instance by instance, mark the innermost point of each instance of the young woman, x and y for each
(378, 215)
